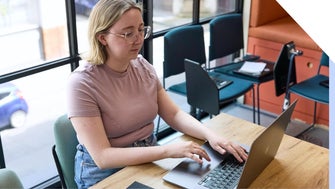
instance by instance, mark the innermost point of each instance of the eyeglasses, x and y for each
(132, 36)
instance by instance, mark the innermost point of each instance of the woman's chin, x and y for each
(134, 55)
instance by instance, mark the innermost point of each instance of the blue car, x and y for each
(13, 107)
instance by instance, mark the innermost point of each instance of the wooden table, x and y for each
(298, 164)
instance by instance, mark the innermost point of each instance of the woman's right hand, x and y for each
(187, 149)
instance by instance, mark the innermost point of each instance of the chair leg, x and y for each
(253, 107)
(314, 117)
(312, 125)
(199, 114)
(193, 111)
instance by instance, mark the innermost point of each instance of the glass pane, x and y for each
(83, 10)
(158, 55)
(210, 8)
(170, 13)
(37, 101)
(31, 32)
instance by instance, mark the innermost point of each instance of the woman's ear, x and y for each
(102, 39)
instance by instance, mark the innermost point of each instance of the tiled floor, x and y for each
(318, 135)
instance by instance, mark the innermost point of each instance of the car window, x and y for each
(3, 95)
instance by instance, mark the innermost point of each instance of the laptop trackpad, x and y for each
(188, 172)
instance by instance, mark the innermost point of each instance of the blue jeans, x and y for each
(87, 173)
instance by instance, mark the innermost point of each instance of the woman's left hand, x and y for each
(222, 146)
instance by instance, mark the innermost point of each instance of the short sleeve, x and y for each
(80, 96)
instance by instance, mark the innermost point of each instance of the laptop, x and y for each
(190, 174)
(268, 70)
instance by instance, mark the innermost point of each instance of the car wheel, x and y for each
(18, 118)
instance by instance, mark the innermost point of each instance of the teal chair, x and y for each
(226, 41)
(180, 43)
(9, 179)
(187, 42)
(64, 150)
(311, 88)
(204, 93)
(226, 36)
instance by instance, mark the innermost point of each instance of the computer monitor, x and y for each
(281, 68)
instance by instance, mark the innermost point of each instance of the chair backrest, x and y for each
(226, 35)
(9, 179)
(64, 150)
(281, 69)
(324, 61)
(202, 92)
(180, 43)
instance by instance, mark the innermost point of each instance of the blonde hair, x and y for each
(103, 16)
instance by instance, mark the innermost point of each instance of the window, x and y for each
(210, 8)
(27, 148)
(31, 33)
(172, 13)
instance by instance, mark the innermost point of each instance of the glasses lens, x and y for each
(147, 32)
(133, 36)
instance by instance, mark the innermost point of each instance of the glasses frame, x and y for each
(146, 34)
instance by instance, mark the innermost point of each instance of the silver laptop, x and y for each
(190, 174)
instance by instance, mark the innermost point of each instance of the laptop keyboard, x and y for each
(225, 175)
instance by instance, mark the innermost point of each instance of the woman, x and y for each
(115, 97)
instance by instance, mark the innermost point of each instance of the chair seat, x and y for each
(178, 88)
(238, 88)
(311, 89)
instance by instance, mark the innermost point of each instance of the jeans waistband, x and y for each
(150, 141)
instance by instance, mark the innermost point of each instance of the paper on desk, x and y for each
(253, 67)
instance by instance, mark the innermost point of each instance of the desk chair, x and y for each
(225, 36)
(285, 79)
(9, 179)
(64, 151)
(180, 43)
(203, 93)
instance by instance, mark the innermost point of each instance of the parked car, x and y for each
(84, 7)
(13, 107)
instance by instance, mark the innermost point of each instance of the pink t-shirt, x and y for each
(126, 102)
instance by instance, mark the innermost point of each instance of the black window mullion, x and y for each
(72, 31)
(196, 12)
(147, 49)
(2, 157)
(239, 6)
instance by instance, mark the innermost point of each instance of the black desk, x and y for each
(228, 69)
